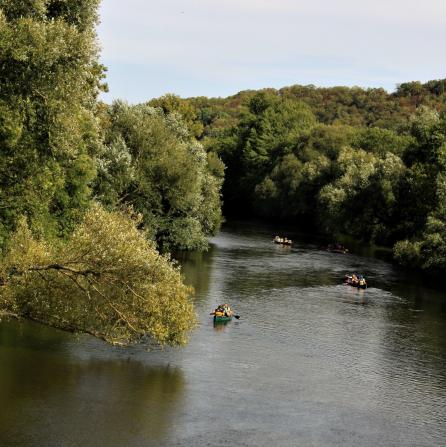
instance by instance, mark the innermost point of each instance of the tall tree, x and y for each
(49, 77)
(152, 163)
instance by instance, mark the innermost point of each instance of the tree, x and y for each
(152, 163)
(425, 246)
(174, 104)
(266, 134)
(49, 77)
(107, 279)
(362, 200)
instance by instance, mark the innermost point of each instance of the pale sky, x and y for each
(219, 47)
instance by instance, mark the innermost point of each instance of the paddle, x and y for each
(237, 317)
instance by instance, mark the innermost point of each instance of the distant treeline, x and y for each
(353, 161)
(354, 106)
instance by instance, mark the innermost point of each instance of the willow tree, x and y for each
(153, 163)
(49, 78)
(107, 279)
(362, 199)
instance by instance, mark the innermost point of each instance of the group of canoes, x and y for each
(332, 248)
(223, 312)
(282, 240)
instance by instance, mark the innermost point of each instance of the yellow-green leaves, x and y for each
(107, 280)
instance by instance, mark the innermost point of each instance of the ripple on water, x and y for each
(310, 363)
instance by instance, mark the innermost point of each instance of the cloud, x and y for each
(185, 43)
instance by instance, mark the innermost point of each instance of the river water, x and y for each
(310, 362)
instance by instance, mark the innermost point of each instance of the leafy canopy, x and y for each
(107, 279)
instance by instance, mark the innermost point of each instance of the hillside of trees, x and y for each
(354, 106)
(361, 162)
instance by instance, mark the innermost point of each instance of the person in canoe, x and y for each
(337, 248)
(362, 283)
(282, 240)
(355, 280)
(223, 312)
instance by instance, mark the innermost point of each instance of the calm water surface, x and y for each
(310, 363)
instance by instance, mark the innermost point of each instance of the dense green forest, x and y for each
(360, 162)
(92, 193)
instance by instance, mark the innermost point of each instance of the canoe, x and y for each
(359, 286)
(283, 243)
(221, 319)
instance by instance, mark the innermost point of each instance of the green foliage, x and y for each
(266, 134)
(362, 200)
(174, 104)
(151, 162)
(335, 105)
(107, 279)
(349, 160)
(427, 249)
(49, 77)
(429, 252)
(115, 172)
(380, 141)
(69, 263)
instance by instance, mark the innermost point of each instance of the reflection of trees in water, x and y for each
(196, 268)
(53, 399)
(29, 335)
(416, 330)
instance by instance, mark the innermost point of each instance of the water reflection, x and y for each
(311, 361)
(197, 269)
(355, 295)
(53, 399)
(220, 326)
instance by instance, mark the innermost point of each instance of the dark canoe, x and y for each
(219, 319)
(283, 243)
(358, 286)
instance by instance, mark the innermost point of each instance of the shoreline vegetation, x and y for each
(359, 162)
(93, 196)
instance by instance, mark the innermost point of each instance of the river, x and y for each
(310, 362)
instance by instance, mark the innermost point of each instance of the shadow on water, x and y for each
(311, 362)
(55, 398)
(197, 268)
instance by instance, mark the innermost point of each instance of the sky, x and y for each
(217, 48)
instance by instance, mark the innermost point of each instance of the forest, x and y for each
(346, 161)
(94, 197)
